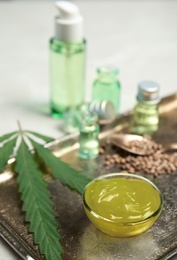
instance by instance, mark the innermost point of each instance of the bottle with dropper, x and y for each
(67, 60)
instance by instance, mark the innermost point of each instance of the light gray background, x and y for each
(138, 37)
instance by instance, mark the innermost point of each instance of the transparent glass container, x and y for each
(145, 118)
(88, 137)
(103, 109)
(106, 86)
(67, 73)
(122, 204)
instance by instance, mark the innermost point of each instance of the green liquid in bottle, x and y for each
(145, 119)
(88, 138)
(107, 87)
(67, 71)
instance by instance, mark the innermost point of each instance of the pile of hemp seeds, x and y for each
(154, 163)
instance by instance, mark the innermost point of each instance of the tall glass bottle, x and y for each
(145, 118)
(107, 87)
(67, 60)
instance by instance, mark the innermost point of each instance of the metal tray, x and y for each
(80, 239)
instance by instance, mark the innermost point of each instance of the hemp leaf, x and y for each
(62, 171)
(37, 202)
(6, 150)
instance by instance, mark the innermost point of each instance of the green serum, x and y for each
(106, 86)
(67, 60)
(67, 73)
(145, 117)
(88, 137)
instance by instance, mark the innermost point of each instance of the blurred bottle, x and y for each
(104, 110)
(107, 87)
(88, 137)
(145, 118)
(67, 60)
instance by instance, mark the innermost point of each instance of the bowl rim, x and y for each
(123, 174)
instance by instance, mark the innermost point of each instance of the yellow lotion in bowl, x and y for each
(122, 205)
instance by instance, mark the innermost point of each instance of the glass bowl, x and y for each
(122, 204)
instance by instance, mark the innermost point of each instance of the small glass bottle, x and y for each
(107, 87)
(104, 110)
(145, 118)
(67, 60)
(88, 137)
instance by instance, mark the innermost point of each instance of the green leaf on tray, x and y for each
(61, 170)
(44, 137)
(37, 202)
(6, 136)
(5, 152)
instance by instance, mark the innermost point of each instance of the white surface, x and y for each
(139, 37)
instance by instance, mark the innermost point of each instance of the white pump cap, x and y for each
(69, 23)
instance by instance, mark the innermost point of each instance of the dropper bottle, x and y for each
(67, 60)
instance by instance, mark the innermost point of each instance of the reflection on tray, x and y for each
(80, 239)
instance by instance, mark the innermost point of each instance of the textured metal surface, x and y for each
(80, 239)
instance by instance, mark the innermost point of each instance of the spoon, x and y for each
(139, 145)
